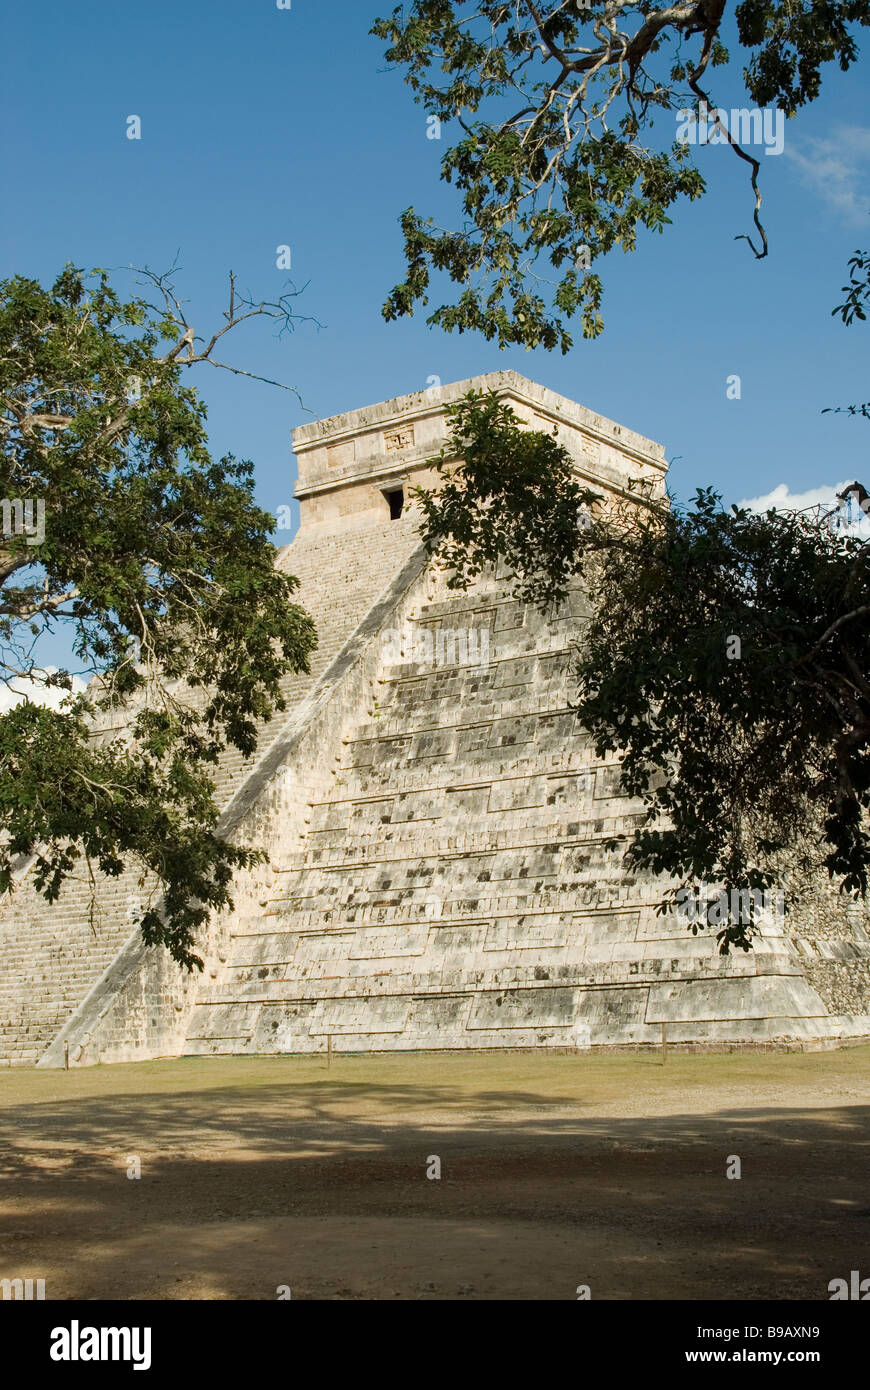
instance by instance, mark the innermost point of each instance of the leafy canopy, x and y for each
(558, 161)
(155, 565)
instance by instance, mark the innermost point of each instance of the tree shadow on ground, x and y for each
(323, 1186)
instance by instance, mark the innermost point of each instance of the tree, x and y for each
(726, 658)
(122, 532)
(559, 161)
(726, 654)
(515, 496)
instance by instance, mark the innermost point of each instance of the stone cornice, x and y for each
(407, 410)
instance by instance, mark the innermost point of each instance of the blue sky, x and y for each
(263, 127)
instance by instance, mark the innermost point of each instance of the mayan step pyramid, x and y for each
(436, 822)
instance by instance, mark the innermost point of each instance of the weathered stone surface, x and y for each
(436, 822)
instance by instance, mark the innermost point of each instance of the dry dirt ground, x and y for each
(556, 1171)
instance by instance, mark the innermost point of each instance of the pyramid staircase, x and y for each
(436, 822)
(455, 891)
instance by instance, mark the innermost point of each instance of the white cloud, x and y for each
(836, 168)
(36, 691)
(782, 499)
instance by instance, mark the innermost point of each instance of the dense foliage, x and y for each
(569, 142)
(153, 562)
(727, 658)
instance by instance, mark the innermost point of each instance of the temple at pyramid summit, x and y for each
(435, 819)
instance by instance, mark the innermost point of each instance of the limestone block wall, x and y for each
(50, 957)
(831, 935)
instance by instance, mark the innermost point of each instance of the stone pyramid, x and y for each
(436, 822)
